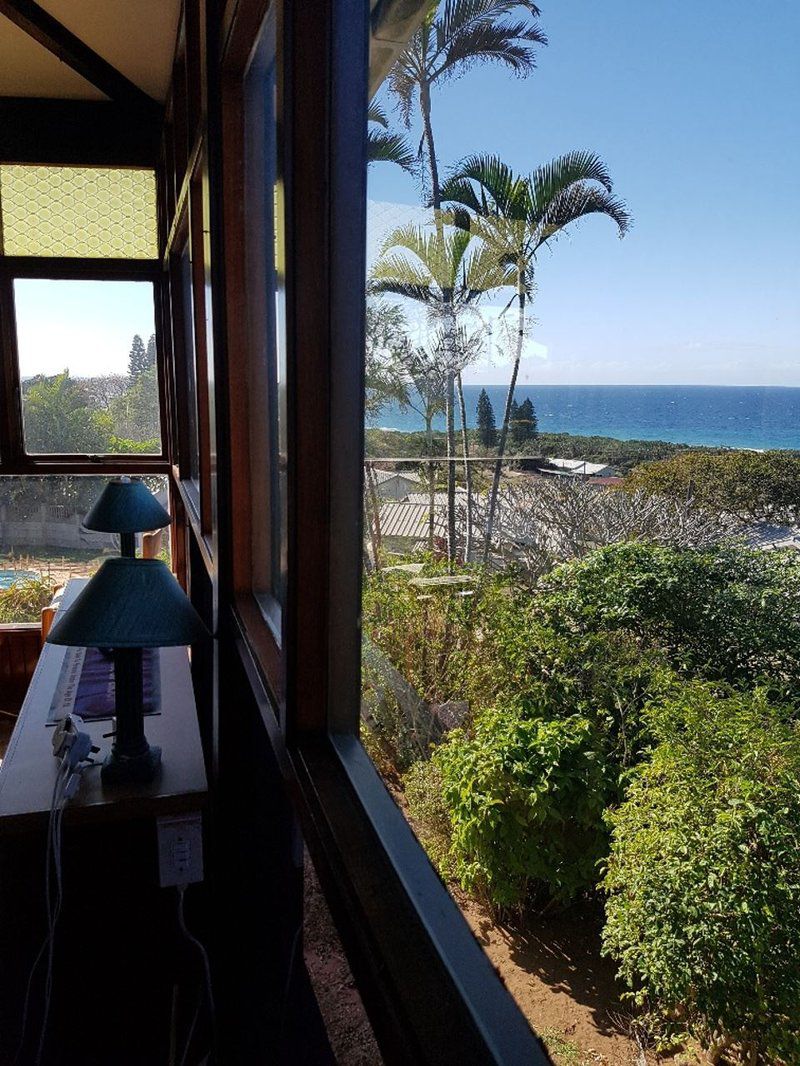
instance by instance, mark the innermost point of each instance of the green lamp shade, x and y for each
(126, 506)
(129, 603)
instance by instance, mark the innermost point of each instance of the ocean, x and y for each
(717, 415)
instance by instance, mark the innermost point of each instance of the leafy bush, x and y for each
(726, 613)
(24, 600)
(423, 785)
(703, 880)
(525, 799)
(754, 486)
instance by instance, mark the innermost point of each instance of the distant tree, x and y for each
(151, 350)
(137, 358)
(386, 344)
(525, 427)
(59, 419)
(487, 430)
(753, 486)
(135, 414)
(513, 421)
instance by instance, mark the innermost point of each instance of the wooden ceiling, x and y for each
(135, 38)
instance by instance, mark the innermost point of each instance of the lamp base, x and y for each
(131, 769)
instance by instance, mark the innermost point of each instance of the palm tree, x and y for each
(514, 217)
(443, 269)
(383, 146)
(463, 33)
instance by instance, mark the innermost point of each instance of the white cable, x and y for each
(60, 779)
(207, 976)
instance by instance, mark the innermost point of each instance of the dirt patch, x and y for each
(349, 1032)
(553, 968)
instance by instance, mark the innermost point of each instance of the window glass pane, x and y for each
(582, 516)
(190, 363)
(43, 542)
(87, 362)
(266, 319)
(78, 211)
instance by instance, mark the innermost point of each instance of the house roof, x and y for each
(386, 475)
(768, 536)
(578, 466)
(409, 520)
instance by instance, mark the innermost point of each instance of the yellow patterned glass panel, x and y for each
(84, 212)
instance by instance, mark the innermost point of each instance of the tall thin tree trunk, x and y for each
(431, 479)
(501, 447)
(425, 108)
(375, 523)
(467, 468)
(451, 468)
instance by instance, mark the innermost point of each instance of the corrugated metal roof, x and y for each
(409, 520)
(439, 498)
(387, 475)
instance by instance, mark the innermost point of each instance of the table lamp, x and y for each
(128, 605)
(126, 507)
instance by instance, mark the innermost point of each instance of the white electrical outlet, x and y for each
(180, 849)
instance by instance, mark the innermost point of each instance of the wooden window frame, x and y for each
(431, 992)
(13, 457)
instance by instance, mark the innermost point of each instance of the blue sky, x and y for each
(695, 108)
(85, 327)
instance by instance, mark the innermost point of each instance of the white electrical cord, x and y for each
(75, 758)
(206, 976)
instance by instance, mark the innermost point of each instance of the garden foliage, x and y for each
(703, 880)
(632, 711)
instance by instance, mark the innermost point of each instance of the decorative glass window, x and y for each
(80, 212)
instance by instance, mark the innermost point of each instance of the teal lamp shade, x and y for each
(126, 507)
(128, 605)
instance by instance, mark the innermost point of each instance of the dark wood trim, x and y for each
(85, 464)
(73, 269)
(70, 49)
(89, 133)
(11, 444)
(306, 625)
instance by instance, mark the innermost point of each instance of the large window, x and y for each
(87, 366)
(582, 516)
(266, 318)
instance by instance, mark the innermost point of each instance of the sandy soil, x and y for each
(346, 1022)
(554, 970)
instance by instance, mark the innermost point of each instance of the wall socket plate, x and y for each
(180, 849)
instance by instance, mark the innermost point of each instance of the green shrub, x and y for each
(703, 879)
(24, 600)
(423, 786)
(726, 613)
(525, 799)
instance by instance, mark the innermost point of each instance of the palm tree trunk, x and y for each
(501, 446)
(425, 108)
(467, 470)
(451, 468)
(431, 478)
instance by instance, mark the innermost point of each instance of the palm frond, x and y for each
(510, 44)
(386, 147)
(375, 113)
(577, 202)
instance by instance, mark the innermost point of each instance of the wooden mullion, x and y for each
(12, 447)
(66, 268)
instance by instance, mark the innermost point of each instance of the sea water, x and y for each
(730, 416)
